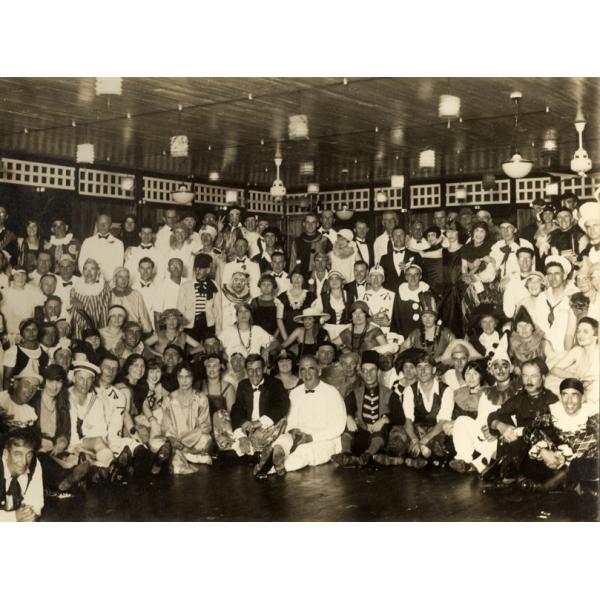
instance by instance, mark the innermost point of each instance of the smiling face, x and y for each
(325, 355)
(90, 271)
(236, 361)
(327, 218)
(83, 381)
(472, 378)
(284, 365)
(132, 336)
(108, 371)
(501, 370)
(255, 371)
(398, 238)
(136, 369)
(409, 370)
(525, 261)
(309, 372)
(310, 224)
(175, 268)
(32, 230)
(534, 286)
(30, 333)
(571, 400)
(24, 389)
(171, 217)
(358, 317)
(116, 319)
(479, 235)
(145, 235)
(18, 458)
(488, 325)
(171, 358)
(212, 366)
(146, 269)
(241, 248)
(524, 329)
(52, 387)
(153, 376)
(555, 276)
(425, 372)
(19, 279)
(360, 272)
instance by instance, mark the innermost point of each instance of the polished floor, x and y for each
(229, 492)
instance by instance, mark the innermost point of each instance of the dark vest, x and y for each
(346, 314)
(23, 359)
(32, 468)
(421, 415)
(63, 417)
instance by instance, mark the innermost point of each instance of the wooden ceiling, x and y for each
(367, 126)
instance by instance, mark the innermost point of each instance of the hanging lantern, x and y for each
(214, 176)
(307, 168)
(397, 182)
(581, 162)
(127, 183)
(179, 146)
(85, 153)
(516, 166)
(298, 127)
(381, 197)
(111, 86)
(231, 197)
(427, 159)
(449, 107)
(313, 188)
(278, 188)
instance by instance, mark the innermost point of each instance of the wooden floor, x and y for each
(229, 492)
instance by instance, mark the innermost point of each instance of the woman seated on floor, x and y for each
(186, 424)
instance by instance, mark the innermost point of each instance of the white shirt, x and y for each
(108, 253)
(247, 266)
(246, 342)
(63, 291)
(362, 250)
(185, 255)
(417, 245)
(320, 413)
(20, 415)
(32, 491)
(344, 265)
(134, 254)
(446, 406)
(283, 282)
(17, 305)
(166, 294)
(380, 246)
(163, 239)
(331, 235)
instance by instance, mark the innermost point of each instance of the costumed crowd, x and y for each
(470, 345)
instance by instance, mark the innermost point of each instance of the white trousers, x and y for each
(311, 454)
(468, 439)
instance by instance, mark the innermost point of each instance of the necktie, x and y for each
(67, 283)
(309, 391)
(103, 237)
(506, 251)
(14, 490)
(278, 275)
(551, 313)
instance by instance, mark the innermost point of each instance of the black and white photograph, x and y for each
(297, 297)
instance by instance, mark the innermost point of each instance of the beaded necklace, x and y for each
(246, 346)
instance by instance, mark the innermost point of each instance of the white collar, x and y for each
(61, 241)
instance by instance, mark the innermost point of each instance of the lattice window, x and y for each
(159, 190)
(427, 195)
(103, 184)
(394, 200)
(476, 195)
(263, 202)
(25, 172)
(356, 200)
(216, 195)
(530, 189)
(584, 187)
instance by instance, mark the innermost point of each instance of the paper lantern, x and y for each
(397, 182)
(449, 107)
(111, 86)
(298, 127)
(179, 146)
(313, 188)
(427, 159)
(85, 153)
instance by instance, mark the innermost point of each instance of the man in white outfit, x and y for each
(103, 247)
(315, 423)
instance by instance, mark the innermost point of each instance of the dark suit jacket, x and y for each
(369, 259)
(351, 290)
(273, 402)
(392, 279)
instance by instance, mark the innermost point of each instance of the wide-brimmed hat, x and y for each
(313, 313)
(456, 345)
(537, 274)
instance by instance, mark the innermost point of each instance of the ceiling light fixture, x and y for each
(179, 146)
(127, 183)
(397, 182)
(461, 193)
(449, 108)
(345, 213)
(516, 166)
(581, 162)
(277, 188)
(109, 86)
(184, 195)
(213, 176)
(313, 188)
(381, 197)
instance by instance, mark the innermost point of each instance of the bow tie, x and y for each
(325, 231)
(145, 285)
(399, 251)
(309, 391)
(278, 275)
(103, 237)
(240, 260)
(67, 283)
(201, 285)
(258, 388)
(146, 247)
(361, 284)
(360, 241)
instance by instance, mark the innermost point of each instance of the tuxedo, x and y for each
(392, 278)
(355, 291)
(364, 251)
(273, 402)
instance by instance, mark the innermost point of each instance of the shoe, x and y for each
(59, 495)
(387, 460)
(163, 456)
(77, 474)
(460, 466)
(265, 462)
(278, 457)
(492, 471)
(364, 459)
(415, 463)
(345, 459)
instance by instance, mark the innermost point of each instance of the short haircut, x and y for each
(590, 321)
(362, 262)
(173, 347)
(25, 436)
(184, 366)
(480, 366)
(254, 358)
(52, 297)
(146, 259)
(536, 362)
(106, 355)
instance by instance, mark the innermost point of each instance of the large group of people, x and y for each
(470, 344)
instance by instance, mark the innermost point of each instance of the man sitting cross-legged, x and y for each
(367, 424)
(314, 425)
(261, 405)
